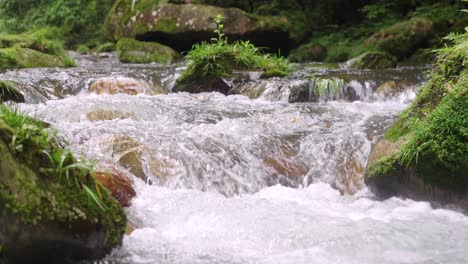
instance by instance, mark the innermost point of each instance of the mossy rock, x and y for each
(133, 51)
(205, 85)
(17, 57)
(372, 60)
(402, 39)
(429, 157)
(8, 92)
(180, 26)
(46, 219)
(106, 47)
(308, 52)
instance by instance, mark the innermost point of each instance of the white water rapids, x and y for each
(225, 198)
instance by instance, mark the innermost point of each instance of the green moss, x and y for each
(133, 51)
(383, 167)
(372, 60)
(168, 25)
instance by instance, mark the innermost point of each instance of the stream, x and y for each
(239, 180)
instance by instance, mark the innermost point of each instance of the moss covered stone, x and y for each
(106, 47)
(308, 52)
(8, 92)
(47, 214)
(16, 57)
(372, 60)
(133, 51)
(429, 157)
(182, 25)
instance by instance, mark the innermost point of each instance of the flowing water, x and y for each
(236, 180)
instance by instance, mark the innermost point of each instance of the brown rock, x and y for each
(119, 184)
(115, 85)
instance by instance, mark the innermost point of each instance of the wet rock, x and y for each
(16, 57)
(402, 39)
(251, 89)
(215, 84)
(115, 85)
(8, 92)
(119, 184)
(141, 160)
(373, 61)
(308, 52)
(133, 51)
(300, 92)
(102, 115)
(392, 88)
(180, 26)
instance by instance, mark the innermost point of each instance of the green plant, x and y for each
(219, 58)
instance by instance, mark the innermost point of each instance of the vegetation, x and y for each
(8, 92)
(219, 58)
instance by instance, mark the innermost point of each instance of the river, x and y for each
(239, 180)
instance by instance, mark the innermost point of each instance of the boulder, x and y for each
(133, 51)
(9, 93)
(119, 184)
(373, 61)
(180, 26)
(392, 88)
(45, 218)
(119, 84)
(308, 52)
(16, 57)
(402, 39)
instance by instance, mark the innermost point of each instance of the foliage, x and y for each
(80, 19)
(8, 92)
(219, 58)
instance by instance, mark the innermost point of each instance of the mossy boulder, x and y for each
(426, 156)
(133, 51)
(105, 47)
(47, 216)
(402, 39)
(16, 57)
(308, 52)
(8, 92)
(372, 60)
(180, 26)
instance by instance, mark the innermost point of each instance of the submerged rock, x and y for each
(119, 184)
(45, 218)
(9, 93)
(373, 61)
(133, 51)
(102, 115)
(119, 84)
(180, 26)
(16, 57)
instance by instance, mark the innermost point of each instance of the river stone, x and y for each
(214, 84)
(180, 26)
(119, 84)
(133, 51)
(373, 61)
(308, 52)
(392, 88)
(119, 184)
